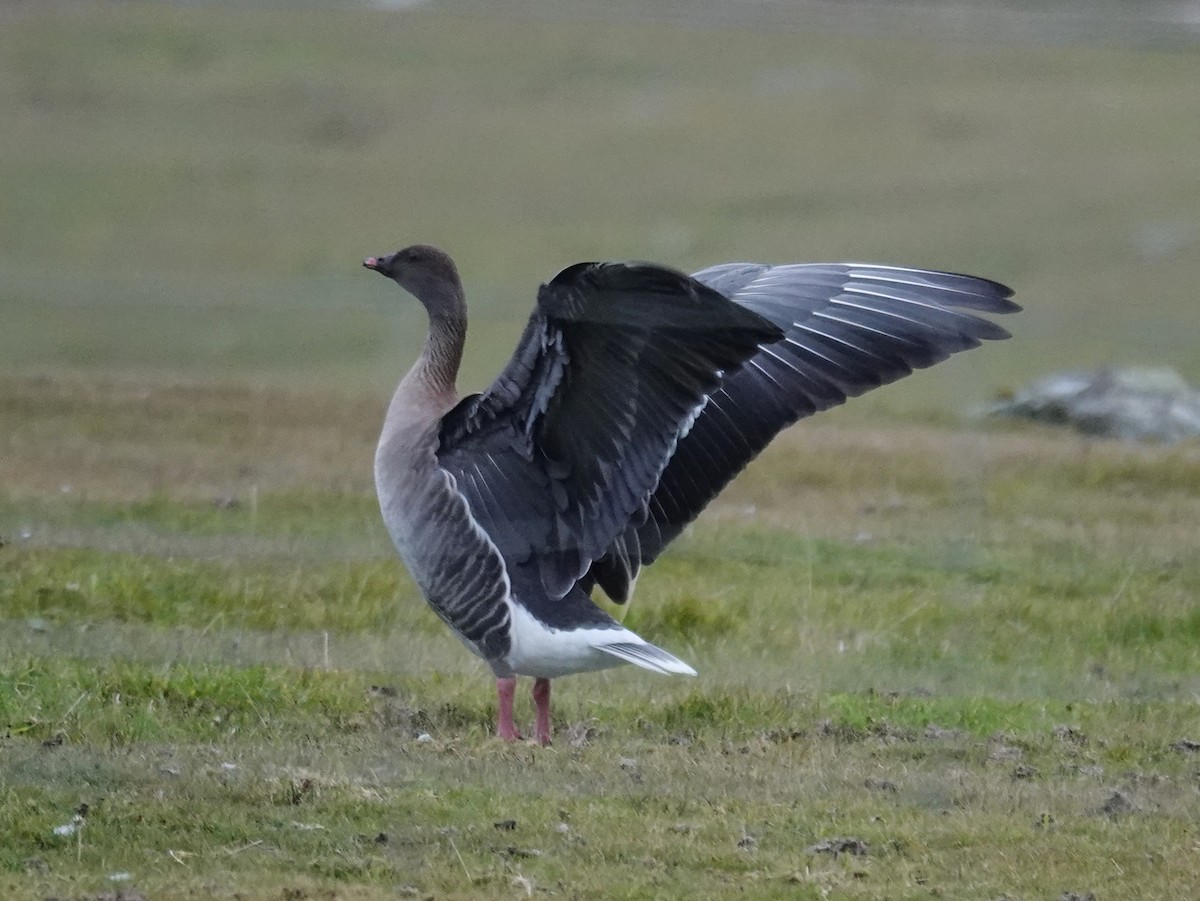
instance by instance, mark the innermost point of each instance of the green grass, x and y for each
(973, 651)
(292, 783)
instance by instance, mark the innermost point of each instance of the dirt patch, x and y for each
(836, 847)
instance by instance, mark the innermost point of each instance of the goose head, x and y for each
(425, 272)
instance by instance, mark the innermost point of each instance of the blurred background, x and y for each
(187, 189)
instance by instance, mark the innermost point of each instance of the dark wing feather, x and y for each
(561, 453)
(849, 328)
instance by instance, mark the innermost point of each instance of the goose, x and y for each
(636, 393)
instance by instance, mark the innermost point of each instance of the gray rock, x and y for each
(1132, 404)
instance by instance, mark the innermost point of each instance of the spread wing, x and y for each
(560, 455)
(848, 328)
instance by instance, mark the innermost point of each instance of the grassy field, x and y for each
(973, 652)
(938, 657)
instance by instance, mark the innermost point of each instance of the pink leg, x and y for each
(541, 697)
(504, 717)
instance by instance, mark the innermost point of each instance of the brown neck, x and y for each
(442, 354)
(425, 394)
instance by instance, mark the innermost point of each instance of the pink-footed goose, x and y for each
(635, 395)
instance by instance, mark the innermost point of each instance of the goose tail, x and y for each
(633, 649)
